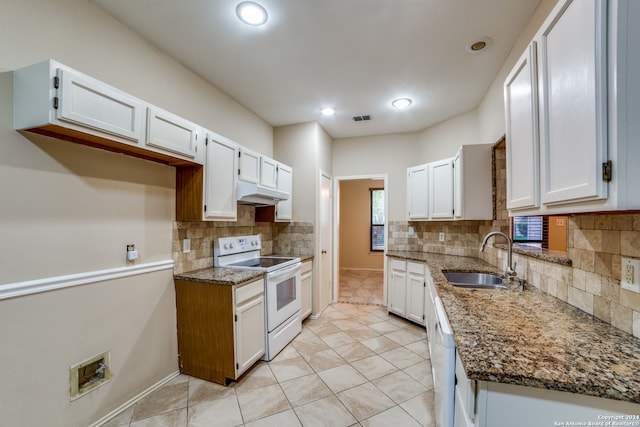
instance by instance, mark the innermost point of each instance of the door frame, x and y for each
(336, 227)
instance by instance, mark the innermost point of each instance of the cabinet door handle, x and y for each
(324, 252)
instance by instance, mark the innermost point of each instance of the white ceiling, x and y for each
(353, 55)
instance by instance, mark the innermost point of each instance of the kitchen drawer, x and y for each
(398, 265)
(306, 267)
(246, 292)
(417, 268)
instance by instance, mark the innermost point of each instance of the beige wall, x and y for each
(379, 155)
(354, 223)
(68, 209)
(442, 140)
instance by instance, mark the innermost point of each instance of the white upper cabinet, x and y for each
(456, 188)
(573, 101)
(284, 208)
(55, 100)
(418, 192)
(268, 172)
(90, 103)
(168, 132)
(523, 145)
(249, 166)
(588, 104)
(220, 179)
(473, 182)
(441, 189)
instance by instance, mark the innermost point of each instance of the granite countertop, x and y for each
(531, 338)
(220, 276)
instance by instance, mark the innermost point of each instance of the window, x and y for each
(530, 230)
(376, 240)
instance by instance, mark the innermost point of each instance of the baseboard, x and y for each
(129, 403)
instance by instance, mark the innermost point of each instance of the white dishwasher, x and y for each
(443, 362)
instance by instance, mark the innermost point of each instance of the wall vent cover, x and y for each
(361, 118)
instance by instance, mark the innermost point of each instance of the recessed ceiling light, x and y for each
(251, 13)
(328, 111)
(478, 45)
(401, 103)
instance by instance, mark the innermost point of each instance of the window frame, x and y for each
(372, 225)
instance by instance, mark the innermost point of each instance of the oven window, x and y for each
(286, 292)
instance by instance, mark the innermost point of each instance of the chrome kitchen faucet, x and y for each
(510, 273)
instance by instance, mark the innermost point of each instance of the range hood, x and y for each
(253, 194)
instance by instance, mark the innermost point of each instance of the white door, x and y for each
(220, 179)
(573, 138)
(418, 192)
(93, 104)
(324, 288)
(458, 185)
(523, 144)
(397, 293)
(268, 172)
(284, 209)
(441, 189)
(250, 331)
(415, 292)
(168, 132)
(249, 166)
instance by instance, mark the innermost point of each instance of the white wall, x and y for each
(443, 139)
(296, 146)
(69, 209)
(379, 155)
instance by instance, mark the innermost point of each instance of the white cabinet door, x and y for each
(523, 144)
(415, 292)
(284, 209)
(91, 103)
(306, 291)
(268, 172)
(441, 189)
(168, 132)
(418, 192)
(573, 97)
(250, 327)
(397, 287)
(249, 166)
(220, 179)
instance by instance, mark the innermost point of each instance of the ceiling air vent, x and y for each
(361, 118)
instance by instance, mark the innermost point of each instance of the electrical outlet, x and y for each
(186, 246)
(441, 237)
(132, 254)
(629, 277)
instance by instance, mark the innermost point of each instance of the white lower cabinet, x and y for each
(397, 287)
(306, 281)
(415, 291)
(406, 289)
(250, 326)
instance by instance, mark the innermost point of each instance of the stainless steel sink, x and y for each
(464, 279)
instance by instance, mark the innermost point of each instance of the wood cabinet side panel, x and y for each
(205, 330)
(189, 193)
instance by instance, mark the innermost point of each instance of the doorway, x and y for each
(360, 239)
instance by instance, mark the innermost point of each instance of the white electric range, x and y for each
(282, 286)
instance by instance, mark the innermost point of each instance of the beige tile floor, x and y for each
(361, 287)
(355, 365)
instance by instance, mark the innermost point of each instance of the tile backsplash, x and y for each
(596, 244)
(295, 238)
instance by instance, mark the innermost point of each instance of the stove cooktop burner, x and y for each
(262, 262)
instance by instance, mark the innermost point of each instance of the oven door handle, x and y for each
(275, 275)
